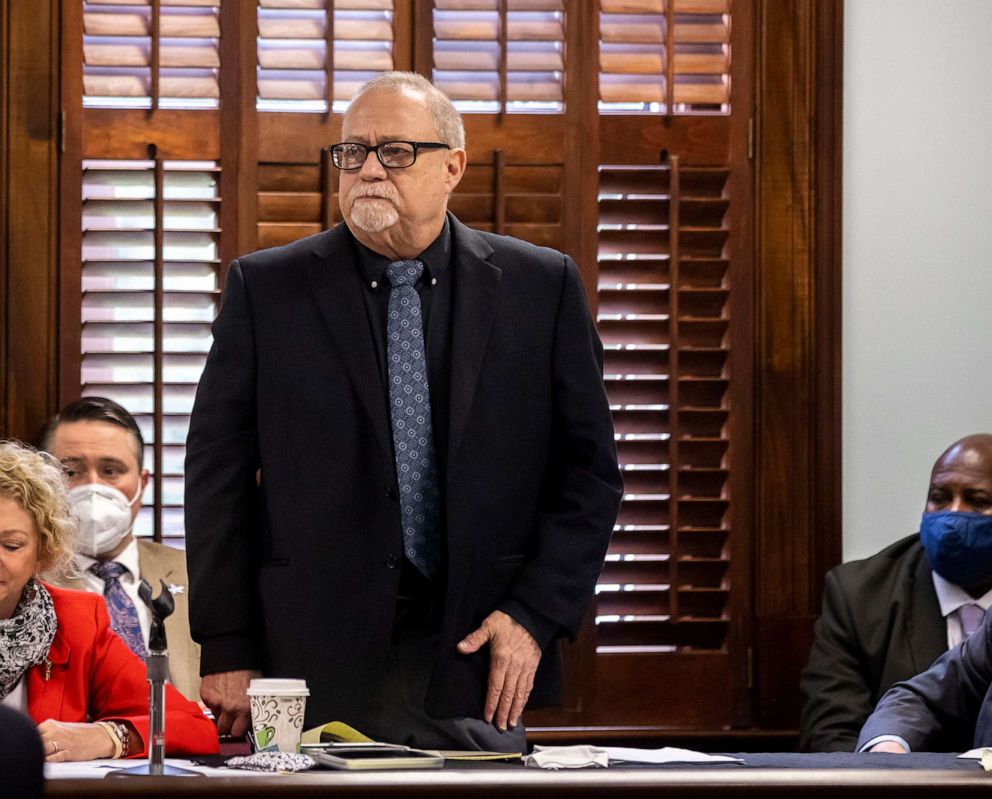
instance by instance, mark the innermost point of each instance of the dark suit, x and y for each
(947, 708)
(298, 575)
(881, 623)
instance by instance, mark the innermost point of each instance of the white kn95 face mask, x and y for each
(104, 517)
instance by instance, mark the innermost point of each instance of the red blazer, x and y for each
(91, 675)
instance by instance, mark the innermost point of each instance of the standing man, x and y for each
(102, 450)
(888, 617)
(401, 478)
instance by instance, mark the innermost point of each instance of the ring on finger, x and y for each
(55, 747)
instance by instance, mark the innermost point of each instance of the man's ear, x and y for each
(454, 168)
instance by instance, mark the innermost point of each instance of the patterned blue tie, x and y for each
(123, 614)
(410, 412)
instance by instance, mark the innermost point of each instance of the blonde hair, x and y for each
(447, 119)
(37, 483)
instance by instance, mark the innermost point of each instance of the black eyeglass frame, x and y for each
(417, 146)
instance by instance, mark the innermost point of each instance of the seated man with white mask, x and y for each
(102, 449)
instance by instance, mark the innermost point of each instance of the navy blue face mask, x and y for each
(959, 546)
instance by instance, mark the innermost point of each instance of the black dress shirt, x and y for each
(436, 290)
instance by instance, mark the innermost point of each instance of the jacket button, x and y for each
(392, 562)
(391, 491)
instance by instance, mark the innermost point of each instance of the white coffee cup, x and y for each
(277, 708)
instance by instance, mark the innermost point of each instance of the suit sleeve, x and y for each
(582, 489)
(119, 692)
(937, 710)
(836, 696)
(222, 492)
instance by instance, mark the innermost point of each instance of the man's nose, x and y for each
(90, 476)
(372, 169)
(958, 503)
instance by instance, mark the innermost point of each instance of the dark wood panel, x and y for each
(29, 41)
(641, 139)
(180, 135)
(797, 415)
(524, 138)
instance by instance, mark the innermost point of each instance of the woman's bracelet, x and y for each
(120, 735)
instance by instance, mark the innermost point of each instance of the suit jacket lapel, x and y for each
(152, 568)
(927, 627)
(476, 294)
(339, 297)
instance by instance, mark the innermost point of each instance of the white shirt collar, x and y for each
(128, 558)
(951, 596)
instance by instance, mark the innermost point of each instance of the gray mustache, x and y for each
(368, 191)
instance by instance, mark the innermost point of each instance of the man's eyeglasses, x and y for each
(391, 154)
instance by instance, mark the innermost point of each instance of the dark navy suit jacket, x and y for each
(947, 708)
(293, 525)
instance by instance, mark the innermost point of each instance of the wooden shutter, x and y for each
(151, 54)
(291, 202)
(651, 196)
(294, 39)
(663, 317)
(657, 55)
(499, 55)
(149, 294)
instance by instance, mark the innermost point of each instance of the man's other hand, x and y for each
(225, 693)
(513, 659)
(888, 746)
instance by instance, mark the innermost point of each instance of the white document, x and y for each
(583, 756)
(667, 754)
(97, 769)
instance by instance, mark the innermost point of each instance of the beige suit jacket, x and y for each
(159, 562)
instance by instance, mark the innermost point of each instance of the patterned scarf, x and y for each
(26, 636)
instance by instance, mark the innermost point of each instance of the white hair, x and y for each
(447, 120)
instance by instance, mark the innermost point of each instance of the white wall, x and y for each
(917, 252)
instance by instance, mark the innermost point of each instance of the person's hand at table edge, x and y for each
(225, 693)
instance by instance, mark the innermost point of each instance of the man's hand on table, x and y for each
(513, 659)
(225, 693)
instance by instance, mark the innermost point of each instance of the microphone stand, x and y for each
(158, 671)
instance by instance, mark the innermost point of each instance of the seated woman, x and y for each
(59, 660)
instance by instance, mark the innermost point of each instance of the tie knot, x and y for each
(108, 570)
(404, 273)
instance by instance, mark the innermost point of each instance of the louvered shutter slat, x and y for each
(117, 24)
(118, 304)
(129, 54)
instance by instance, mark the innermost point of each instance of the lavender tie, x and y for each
(970, 617)
(410, 414)
(123, 613)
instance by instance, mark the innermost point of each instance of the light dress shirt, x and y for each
(951, 597)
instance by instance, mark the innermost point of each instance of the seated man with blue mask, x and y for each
(101, 448)
(888, 617)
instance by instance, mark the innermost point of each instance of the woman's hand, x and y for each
(64, 740)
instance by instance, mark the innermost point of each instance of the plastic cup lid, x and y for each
(277, 687)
